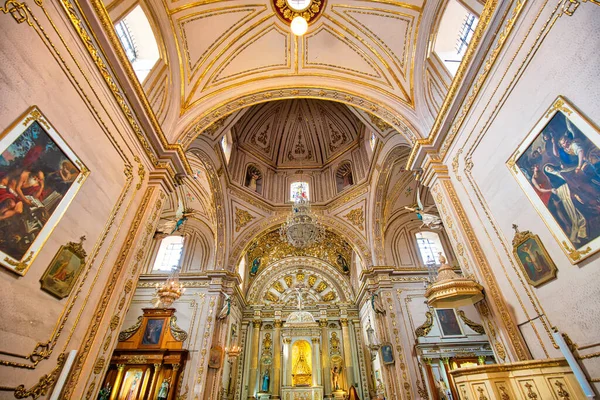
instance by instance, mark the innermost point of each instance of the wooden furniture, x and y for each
(149, 355)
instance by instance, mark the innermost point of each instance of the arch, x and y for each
(337, 282)
(193, 124)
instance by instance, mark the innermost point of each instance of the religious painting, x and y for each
(344, 177)
(153, 332)
(132, 384)
(557, 168)
(61, 275)
(448, 322)
(387, 353)
(532, 257)
(39, 177)
(253, 179)
(215, 357)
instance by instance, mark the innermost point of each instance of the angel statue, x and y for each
(182, 216)
(430, 220)
(226, 310)
(169, 225)
(376, 303)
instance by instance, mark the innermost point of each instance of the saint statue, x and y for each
(255, 265)
(376, 303)
(335, 343)
(163, 391)
(267, 343)
(343, 263)
(253, 180)
(335, 378)
(265, 381)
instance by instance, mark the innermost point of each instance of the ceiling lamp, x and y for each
(170, 291)
(299, 26)
(301, 228)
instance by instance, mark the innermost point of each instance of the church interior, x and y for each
(300, 199)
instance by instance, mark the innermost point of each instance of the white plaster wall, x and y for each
(525, 81)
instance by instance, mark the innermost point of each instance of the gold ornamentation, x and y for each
(270, 248)
(503, 394)
(473, 325)
(141, 172)
(530, 393)
(425, 328)
(45, 383)
(242, 218)
(288, 280)
(561, 392)
(356, 217)
(379, 123)
(269, 296)
(178, 333)
(137, 359)
(19, 265)
(129, 332)
(573, 254)
(321, 287)
(279, 287)
(17, 10)
(99, 365)
(309, 14)
(312, 279)
(481, 395)
(329, 296)
(300, 277)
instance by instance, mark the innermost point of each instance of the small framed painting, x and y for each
(215, 357)
(532, 257)
(449, 324)
(39, 177)
(558, 168)
(153, 332)
(387, 353)
(61, 275)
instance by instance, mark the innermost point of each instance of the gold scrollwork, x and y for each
(45, 383)
(17, 10)
(473, 325)
(19, 265)
(242, 218)
(356, 217)
(178, 333)
(425, 328)
(570, 6)
(129, 332)
(574, 254)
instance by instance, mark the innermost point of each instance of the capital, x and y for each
(277, 323)
(256, 323)
(344, 321)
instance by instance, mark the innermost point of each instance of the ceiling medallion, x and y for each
(301, 229)
(287, 10)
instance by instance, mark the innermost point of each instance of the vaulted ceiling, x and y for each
(298, 133)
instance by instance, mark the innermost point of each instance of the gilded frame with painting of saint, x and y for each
(532, 257)
(64, 269)
(558, 168)
(39, 177)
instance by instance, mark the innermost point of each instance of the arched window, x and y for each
(344, 177)
(299, 190)
(226, 143)
(454, 34)
(430, 246)
(169, 254)
(373, 141)
(138, 41)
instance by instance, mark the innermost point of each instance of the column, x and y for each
(254, 358)
(276, 360)
(325, 359)
(287, 362)
(347, 353)
(316, 367)
(153, 384)
(117, 385)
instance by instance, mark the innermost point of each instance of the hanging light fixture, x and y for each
(302, 228)
(171, 290)
(299, 25)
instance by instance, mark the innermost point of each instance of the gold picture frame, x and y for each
(558, 167)
(532, 257)
(64, 269)
(39, 177)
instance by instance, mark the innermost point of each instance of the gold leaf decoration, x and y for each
(424, 329)
(356, 217)
(242, 218)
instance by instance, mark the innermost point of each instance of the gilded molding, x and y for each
(45, 384)
(242, 218)
(425, 328)
(129, 332)
(473, 325)
(178, 333)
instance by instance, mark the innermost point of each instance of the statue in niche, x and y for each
(253, 179)
(335, 378)
(343, 177)
(343, 263)
(163, 392)
(335, 344)
(255, 266)
(265, 381)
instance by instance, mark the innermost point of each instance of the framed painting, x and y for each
(215, 357)
(153, 332)
(449, 324)
(132, 384)
(39, 177)
(387, 353)
(532, 257)
(61, 275)
(557, 168)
